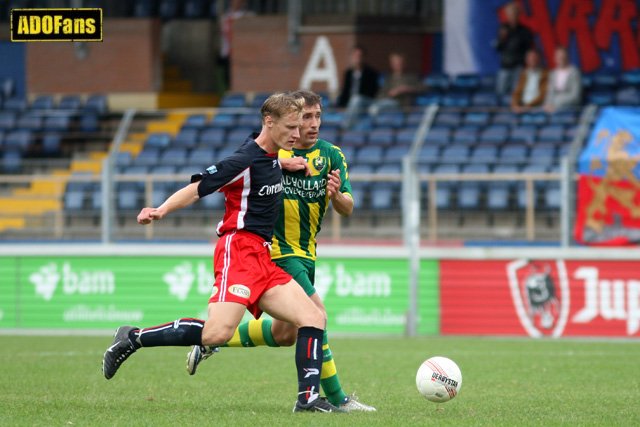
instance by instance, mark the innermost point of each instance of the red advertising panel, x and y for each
(540, 298)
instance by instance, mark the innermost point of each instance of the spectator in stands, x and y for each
(398, 89)
(565, 83)
(359, 88)
(237, 9)
(514, 40)
(531, 88)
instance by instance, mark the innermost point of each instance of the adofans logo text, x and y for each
(33, 25)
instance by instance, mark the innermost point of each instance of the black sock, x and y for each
(309, 363)
(182, 332)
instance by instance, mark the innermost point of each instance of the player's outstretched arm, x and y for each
(294, 164)
(178, 200)
(342, 203)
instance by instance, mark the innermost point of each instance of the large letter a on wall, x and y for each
(321, 66)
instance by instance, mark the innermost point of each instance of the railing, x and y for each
(193, 223)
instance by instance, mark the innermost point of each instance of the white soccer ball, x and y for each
(439, 379)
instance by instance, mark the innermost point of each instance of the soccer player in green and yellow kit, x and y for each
(314, 174)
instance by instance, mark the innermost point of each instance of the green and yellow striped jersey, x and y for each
(305, 200)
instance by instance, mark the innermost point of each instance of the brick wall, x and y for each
(262, 61)
(128, 60)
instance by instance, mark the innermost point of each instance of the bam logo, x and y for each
(182, 277)
(74, 282)
(540, 294)
(31, 25)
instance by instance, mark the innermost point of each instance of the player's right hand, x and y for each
(147, 215)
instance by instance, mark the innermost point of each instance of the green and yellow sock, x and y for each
(329, 378)
(253, 333)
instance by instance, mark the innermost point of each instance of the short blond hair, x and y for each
(280, 104)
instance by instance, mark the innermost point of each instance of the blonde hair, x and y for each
(280, 104)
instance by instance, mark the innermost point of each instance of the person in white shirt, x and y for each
(565, 83)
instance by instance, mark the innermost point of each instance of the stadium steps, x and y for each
(29, 206)
(177, 92)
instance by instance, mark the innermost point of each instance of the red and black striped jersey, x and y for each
(251, 180)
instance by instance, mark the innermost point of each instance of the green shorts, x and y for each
(302, 270)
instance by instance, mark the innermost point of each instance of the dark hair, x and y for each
(310, 98)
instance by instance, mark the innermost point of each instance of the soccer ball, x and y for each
(439, 379)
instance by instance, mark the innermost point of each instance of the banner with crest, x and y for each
(608, 191)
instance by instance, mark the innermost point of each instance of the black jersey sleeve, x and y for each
(221, 173)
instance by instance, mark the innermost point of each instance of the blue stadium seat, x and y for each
(461, 99)
(543, 154)
(426, 99)
(186, 138)
(369, 155)
(394, 155)
(533, 119)
(89, 122)
(465, 82)
(504, 118)
(11, 161)
(157, 140)
(233, 100)
(200, 156)
(353, 138)
(604, 82)
(359, 189)
(195, 121)
(600, 98)
(51, 144)
(123, 158)
(444, 189)
(224, 120)
(169, 9)
(332, 119)
(383, 196)
(469, 195)
(384, 137)
(258, 99)
(498, 198)
(405, 136)
(438, 136)
(525, 134)
(129, 196)
(173, 157)
(552, 196)
(631, 77)
(394, 119)
(250, 120)
(147, 157)
(455, 154)
(484, 154)
(144, 8)
(42, 102)
(7, 120)
(15, 104)
(18, 140)
(448, 118)
(74, 200)
(96, 103)
(213, 201)
(551, 133)
(476, 118)
(467, 135)
(29, 122)
(70, 102)
(213, 137)
(515, 154)
(495, 134)
(628, 95)
(437, 82)
(135, 170)
(329, 134)
(56, 123)
(195, 9)
(237, 136)
(485, 99)
(563, 117)
(414, 118)
(429, 154)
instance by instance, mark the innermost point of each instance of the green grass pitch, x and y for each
(57, 381)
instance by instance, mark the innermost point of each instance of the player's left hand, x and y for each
(334, 182)
(294, 164)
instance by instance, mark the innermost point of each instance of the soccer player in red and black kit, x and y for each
(245, 276)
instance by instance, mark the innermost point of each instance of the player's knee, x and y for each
(217, 336)
(286, 338)
(314, 317)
